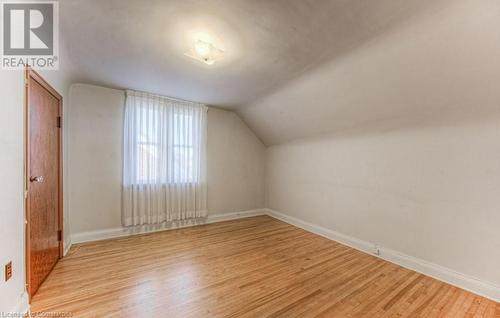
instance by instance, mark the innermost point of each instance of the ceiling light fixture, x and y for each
(205, 52)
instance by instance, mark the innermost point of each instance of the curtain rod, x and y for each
(162, 96)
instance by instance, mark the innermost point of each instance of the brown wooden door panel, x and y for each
(44, 213)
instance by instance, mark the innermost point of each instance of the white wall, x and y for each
(235, 160)
(95, 151)
(11, 187)
(398, 143)
(235, 167)
(431, 192)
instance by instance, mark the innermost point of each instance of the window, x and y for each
(166, 141)
(164, 150)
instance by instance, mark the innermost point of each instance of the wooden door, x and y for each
(44, 244)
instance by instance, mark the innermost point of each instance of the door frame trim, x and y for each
(29, 73)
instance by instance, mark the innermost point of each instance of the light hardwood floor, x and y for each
(255, 267)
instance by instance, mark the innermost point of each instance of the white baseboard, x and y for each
(469, 283)
(439, 272)
(22, 307)
(67, 246)
(126, 231)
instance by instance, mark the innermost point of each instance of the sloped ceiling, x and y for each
(139, 44)
(299, 68)
(439, 68)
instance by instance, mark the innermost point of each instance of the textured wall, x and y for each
(398, 143)
(235, 160)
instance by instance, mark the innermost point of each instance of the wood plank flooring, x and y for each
(255, 267)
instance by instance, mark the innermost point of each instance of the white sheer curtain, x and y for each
(164, 164)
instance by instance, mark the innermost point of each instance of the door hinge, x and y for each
(59, 122)
(59, 235)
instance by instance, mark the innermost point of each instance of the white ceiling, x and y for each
(140, 44)
(440, 68)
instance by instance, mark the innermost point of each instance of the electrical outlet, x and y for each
(376, 250)
(8, 271)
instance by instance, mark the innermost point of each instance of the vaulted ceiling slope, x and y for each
(140, 44)
(442, 67)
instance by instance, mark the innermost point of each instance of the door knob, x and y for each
(36, 179)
